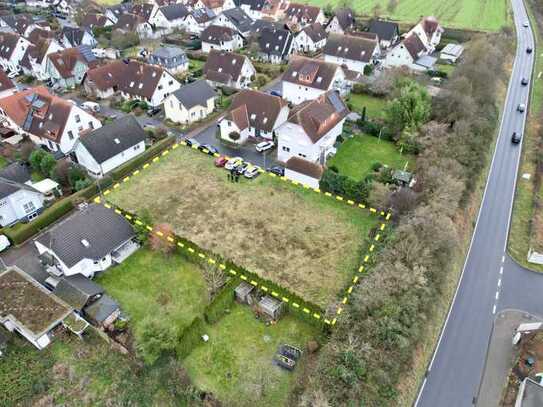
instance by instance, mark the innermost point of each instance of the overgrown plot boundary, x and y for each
(295, 302)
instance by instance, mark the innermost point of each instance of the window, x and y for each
(302, 155)
(29, 207)
(77, 118)
(136, 147)
(170, 83)
(159, 87)
(70, 134)
(287, 149)
(91, 125)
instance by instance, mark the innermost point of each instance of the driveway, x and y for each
(26, 258)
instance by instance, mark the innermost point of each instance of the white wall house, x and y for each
(310, 39)
(170, 17)
(220, 38)
(406, 53)
(198, 20)
(165, 87)
(190, 103)
(230, 69)
(35, 60)
(12, 50)
(18, 203)
(350, 51)
(429, 31)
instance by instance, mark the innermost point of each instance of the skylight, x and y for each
(85, 243)
(132, 84)
(117, 141)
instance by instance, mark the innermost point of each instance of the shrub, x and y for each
(76, 174)
(341, 185)
(368, 70)
(234, 136)
(190, 338)
(157, 336)
(376, 166)
(82, 184)
(221, 304)
(47, 165)
(36, 158)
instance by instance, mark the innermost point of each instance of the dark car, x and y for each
(515, 138)
(529, 50)
(276, 93)
(153, 111)
(277, 170)
(524, 82)
(209, 149)
(191, 142)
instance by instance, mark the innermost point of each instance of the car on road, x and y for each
(515, 138)
(191, 142)
(220, 161)
(277, 170)
(252, 172)
(153, 111)
(529, 50)
(264, 146)
(524, 82)
(521, 107)
(208, 149)
(526, 24)
(233, 163)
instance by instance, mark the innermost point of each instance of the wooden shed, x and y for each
(243, 293)
(271, 307)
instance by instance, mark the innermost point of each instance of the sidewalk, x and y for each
(500, 356)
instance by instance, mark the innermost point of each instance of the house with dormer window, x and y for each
(228, 69)
(220, 38)
(307, 79)
(353, 52)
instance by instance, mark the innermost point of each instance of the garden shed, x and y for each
(243, 293)
(271, 307)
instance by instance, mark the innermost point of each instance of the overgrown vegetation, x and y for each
(389, 313)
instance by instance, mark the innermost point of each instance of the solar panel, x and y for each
(335, 100)
(87, 53)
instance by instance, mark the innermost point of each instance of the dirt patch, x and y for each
(299, 239)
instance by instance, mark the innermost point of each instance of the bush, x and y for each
(222, 302)
(368, 70)
(376, 166)
(47, 165)
(341, 185)
(82, 184)
(438, 74)
(36, 158)
(190, 338)
(228, 91)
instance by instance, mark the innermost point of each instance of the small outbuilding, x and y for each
(243, 293)
(271, 307)
(451, 52)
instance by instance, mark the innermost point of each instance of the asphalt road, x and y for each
(490, 280)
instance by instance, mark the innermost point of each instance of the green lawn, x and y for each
(3, 162)
(488, 15)
(356, 155)
(108, 2)
(238, 367)
(448, 68)
(151, 285)
(374, 105)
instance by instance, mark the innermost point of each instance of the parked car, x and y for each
(529, 50)
(524, 82)
(515, 138)
(526, 24)
(211, 150)
(12, 75)
(153, 111)
(233, 163)
(264, 146)
(241, 167)
(191, 142)
(252, 172)
(91, 106)
(277, 170)
(521, 107)
(220, 161)
(276, 93)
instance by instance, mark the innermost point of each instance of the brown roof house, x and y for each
(7, 87)
(303, 171)
(312, 129)
(133, 79)
(34, 61)
(228, 69)
(352, 52)
(429, 31)
(306, 79)
(48, 120)
(12, 51)
(220, 38)
(92, 20)
(29, 309)
(67, 68)
(253, 114)
(342, 22)
(311, 38)
(299, 15)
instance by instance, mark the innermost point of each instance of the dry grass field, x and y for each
(297, 238)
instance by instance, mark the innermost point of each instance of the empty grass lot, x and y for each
(356, 155)
(149, 284)
(298, 238)
(486, 15)
(238, 368)
(374, 105)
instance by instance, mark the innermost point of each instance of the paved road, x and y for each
(490, 280)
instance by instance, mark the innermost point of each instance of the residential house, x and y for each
(142, 10)
(220, 38)
(29, 309)
(353, 52)
(133, 79)
(85, 296)
(387, 31)
(19, 202)
(74, 37)
(306, 79)
(228, 69)
(173, 59)
(12, 50)
(275, 45)
(274, 10)
(34, 61)
(7, 87)
(312, 129)
(48, 120)
(451, 52)
(236, 19)
(429, 32)
(170, 17)
(95, 20)
(253, 114)
(21, 24)
(305, 172)
(300, 15)
(110, 146)
(198, 20)
(19, 172)
(343, 22)
(129, 23)
(253, 8)
(68, 67)
(311, 38)
(218, 6)
(407, 53)
(89, 241)
(530, 392)
(190, 103)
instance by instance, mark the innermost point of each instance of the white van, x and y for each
(91, 106)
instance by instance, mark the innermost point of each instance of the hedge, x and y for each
(190, 338)
(24, 231)
(222, 302)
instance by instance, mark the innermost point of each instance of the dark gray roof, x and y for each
(350, 47)
(74, 35)
(259, 25)
(275, 41)
(196, 93)
(532, 395)
(114, 138)
(385, 30)
(91, 233)
(345, 18)
(8, 187)
(239, 18)
(102, 308)
(76, 290)
(169, 52)
(174, 11)
(16, 172)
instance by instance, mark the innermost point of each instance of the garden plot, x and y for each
(302, 240)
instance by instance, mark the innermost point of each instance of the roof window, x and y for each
(117, 141)
(132, 84)
(140, 86)
(253, 116)
(85, 243)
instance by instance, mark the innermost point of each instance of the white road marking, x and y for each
(494, 309)
(501, 270)
(499, 282)
(503, 259)
(497, 294)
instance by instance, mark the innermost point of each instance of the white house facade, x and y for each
(22, 204)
